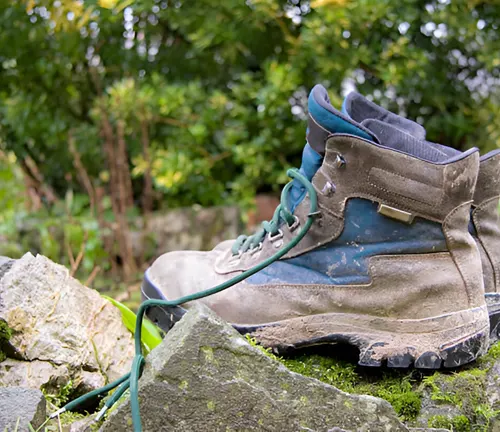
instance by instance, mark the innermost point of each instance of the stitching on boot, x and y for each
(380, 174)
(456, 259)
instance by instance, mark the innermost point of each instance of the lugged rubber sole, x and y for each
(448, 341)
(493, 303)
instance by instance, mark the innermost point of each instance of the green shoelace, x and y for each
(282, 213)
(243, 243)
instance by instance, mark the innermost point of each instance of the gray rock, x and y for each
(21, 407)
(83, 425)
(206, 377)
(35, 374)
(5, 265)
(61, 330)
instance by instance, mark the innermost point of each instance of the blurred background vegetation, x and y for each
(113, 110)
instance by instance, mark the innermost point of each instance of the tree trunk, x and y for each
(147, 193)
(120, 190)
(123, 168)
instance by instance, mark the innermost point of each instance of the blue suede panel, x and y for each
(345, 261)
(311, 161)
(333, 122)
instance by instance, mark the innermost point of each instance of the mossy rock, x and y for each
(399, 387)
(462, 400)
(396, 387)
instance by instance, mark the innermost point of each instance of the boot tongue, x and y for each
(358, 108)
(323, 121)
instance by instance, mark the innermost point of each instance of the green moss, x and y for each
(400, 395)
(267, 351)
(5, 332)
(457, 424)
(61, 397)
(466, 390)
(5, 335)
(334, 372)
(69, 417)
(493, 354)
(462, 389)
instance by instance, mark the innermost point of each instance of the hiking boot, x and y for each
(485, 216)
(485, 228)
(388, 264)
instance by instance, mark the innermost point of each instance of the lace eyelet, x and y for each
(235, 259)
(256, 249)
(295, 224)
(273, 238)
(328, 189)
(340, 161)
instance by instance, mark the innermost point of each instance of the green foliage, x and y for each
(327, 369)
(150, 334)
(457, 389)
(221, 87)
(69, 417)
(62, 396)
(456, 424)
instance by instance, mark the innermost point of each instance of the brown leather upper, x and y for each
(486, 220)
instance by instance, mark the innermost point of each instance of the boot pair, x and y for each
(382, 240)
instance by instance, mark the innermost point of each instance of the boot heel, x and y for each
(493, 303)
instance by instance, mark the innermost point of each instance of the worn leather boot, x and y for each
(485, 216)
(388, 264)
(485, 228)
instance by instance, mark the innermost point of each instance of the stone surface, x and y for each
(61, 330)
(5, 265)
(83, 425)
(206, 377)
(21, 407)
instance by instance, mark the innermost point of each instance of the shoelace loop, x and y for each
(282, 214)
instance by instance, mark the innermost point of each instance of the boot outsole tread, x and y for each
(452, 356)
